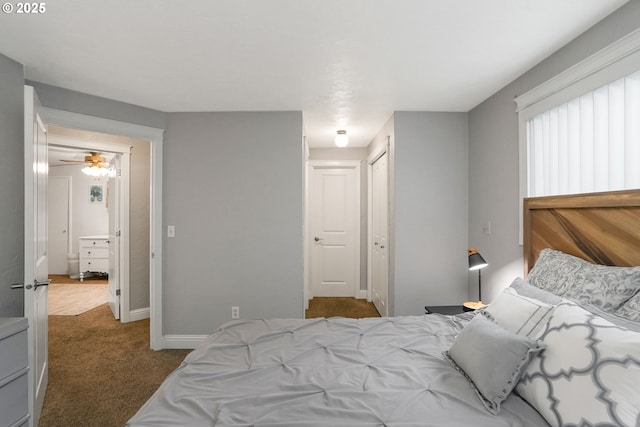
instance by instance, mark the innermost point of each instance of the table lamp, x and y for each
(476, 262)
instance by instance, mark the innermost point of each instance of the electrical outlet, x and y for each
(235, 312)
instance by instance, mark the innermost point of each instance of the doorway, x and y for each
(97, 224)
(154, 136)
(334, 228)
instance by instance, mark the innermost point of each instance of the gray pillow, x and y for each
(491, 358)
(525, 289)
(579, 280)
(630, 309)
(615, 318)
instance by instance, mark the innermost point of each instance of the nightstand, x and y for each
(443, 309)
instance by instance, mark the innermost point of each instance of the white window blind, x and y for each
(588, 144)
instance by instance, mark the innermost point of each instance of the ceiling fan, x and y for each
(95, 159)
(96, 164)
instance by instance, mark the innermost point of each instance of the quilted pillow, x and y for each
(589, 373)
(630, 309)
(491, 358)
(584, 282)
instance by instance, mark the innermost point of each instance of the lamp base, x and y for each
(473, 305)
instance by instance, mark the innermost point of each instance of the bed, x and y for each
(559, 348)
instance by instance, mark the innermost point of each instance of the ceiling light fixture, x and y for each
(95, 170)
(341, 138)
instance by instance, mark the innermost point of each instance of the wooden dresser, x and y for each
(14, 399)
(94, 255)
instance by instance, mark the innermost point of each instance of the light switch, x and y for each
(171, 231)
(486, 227)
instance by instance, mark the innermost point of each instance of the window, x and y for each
(579, 132)
(588, 144)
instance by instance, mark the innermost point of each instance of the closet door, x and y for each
(380, 234)
(59, 245)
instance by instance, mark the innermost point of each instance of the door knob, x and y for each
(37, 284)
(317, 239)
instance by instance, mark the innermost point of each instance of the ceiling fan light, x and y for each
(341, 138)
(95, 170)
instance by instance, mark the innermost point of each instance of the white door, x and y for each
(35, 250)
(113, 200)
(58, 237)
(334, 205)
(379, 227)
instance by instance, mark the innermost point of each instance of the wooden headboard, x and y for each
(603, 228)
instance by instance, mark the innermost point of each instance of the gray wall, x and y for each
(493, 151)
(139, 223)
(431, 205)
(81, 103)
(11, 186)
(233, 187)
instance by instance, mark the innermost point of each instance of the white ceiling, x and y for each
(345, 64)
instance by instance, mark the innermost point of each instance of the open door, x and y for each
(113, 201)
(36, 165)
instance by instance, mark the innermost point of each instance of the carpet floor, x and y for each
(101, 371)
(340, 307)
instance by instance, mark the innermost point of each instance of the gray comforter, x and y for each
(326, 372)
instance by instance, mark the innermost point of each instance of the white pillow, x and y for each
(589, 373)
(518, 314)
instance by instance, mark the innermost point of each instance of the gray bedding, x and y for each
(327, 372)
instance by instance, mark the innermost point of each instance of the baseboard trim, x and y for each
(182, 341)
(139, 314)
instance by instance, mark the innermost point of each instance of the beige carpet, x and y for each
(71, 299)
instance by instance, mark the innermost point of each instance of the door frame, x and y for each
(374, 157)
(124, 151)
(329, 164)
(155, 137)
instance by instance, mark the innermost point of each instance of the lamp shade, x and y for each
(476, 261)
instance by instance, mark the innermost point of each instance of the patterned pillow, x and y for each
(574, 278)
(630, 309)
(589, 373)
